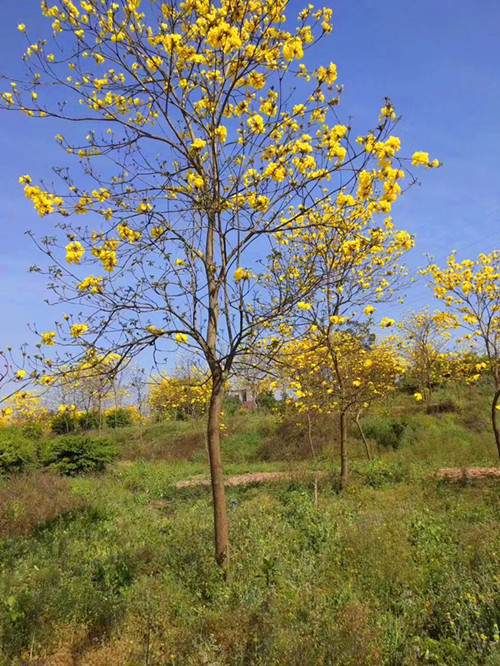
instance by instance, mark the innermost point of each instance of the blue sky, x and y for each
(438, 61)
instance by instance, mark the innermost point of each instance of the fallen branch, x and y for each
(254, 477)
(466, 473)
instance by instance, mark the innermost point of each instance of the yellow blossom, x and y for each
(78, 329)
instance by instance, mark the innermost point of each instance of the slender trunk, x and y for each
(309, 435)
(217, 475)
(494, 411)
(343, 451)
(363, 436)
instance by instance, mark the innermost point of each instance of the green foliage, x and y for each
(89, 421)
(121, 417)
(387, 432)
(378, 473)
(231, 405)
(17, 452)
(63, 424)
(79, 454)
(33, 431)
(266, 401)
(400, 569)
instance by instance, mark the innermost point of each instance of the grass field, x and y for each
(118, 569)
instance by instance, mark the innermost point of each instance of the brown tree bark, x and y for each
(216, 474)
(343, 451)
(363, 436)
(494, 412)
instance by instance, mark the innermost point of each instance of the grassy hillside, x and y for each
(117, 568)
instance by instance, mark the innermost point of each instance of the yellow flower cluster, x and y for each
(107, 254)
(44, 202)
(74, 252)
(91, 284)
(48, 338)
(78, 329)
(128, 234)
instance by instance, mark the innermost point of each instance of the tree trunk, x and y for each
(309, 435)
(217, 475)
(343, 451)
(363, 436)
(494, 411)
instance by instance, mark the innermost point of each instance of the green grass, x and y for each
(400, 569)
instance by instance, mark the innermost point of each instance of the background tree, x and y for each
(23, 406)
(426, 336)
(344, 382)
(186, 393)
(470, 290)
(204, 139)
(93, 384)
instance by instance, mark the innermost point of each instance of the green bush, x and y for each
(118, 418)
(386, 432)
(63, 424)
(89, 421)
(380, 473)
(79, 454)
(17, 453)
(231, 405)
(32, 431)
(267, 401)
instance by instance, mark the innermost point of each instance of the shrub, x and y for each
(231, 405)
(89, 421)
(386, 432)
(17, 453)
(267, 402)
(79, 454)
(63, 424)
(33, 431)
(28, 501)
(379, 473)
(118, 418)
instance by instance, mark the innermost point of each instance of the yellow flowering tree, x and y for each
(342, 375)
(186, 391)
(425, 337)
(207, 141)
(470, 290)
(22, 407)
(464, 367)
(93, 383)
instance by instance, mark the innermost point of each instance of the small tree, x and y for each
(186, 392)
(344, 382)
(470, 290)
(425, 338)
(199, 151)
(21, 407)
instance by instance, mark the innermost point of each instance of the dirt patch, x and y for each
(467, 473)
(254, 477)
